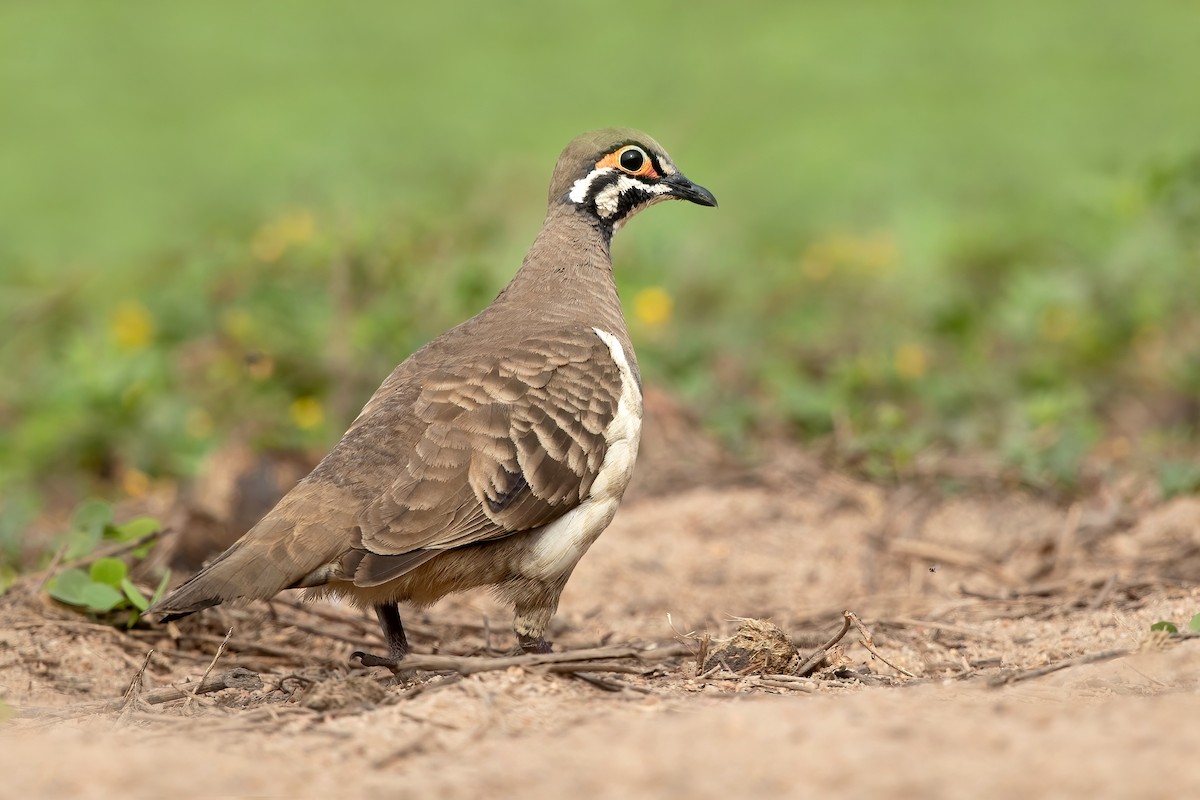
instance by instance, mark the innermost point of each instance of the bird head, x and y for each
(614, 173)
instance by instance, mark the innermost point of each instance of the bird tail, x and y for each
(291, 547)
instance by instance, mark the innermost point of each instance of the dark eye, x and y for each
(632, 159)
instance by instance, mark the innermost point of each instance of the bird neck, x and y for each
(568, 272)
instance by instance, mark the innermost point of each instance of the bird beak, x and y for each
(684, 189)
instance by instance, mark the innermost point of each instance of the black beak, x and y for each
(684, 189)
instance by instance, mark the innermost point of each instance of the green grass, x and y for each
(974, 225)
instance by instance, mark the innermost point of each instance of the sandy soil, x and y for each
(977, 595)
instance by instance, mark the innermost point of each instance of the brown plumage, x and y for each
(496, 454)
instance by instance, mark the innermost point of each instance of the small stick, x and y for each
(45, 575)
(468, 665)
(869, 643)
(113, 550)
(1013, 676)
(595, 666)
(211, 664)
(1105, 592)
(236, 678)
(247, 646)
(135, 689)
(817, 655)
(609, 684)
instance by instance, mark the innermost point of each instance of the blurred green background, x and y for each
(944, 227)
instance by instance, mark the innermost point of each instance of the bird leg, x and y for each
(533, 644)
(393, 633)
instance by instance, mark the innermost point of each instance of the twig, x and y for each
(42, 577)
(1013, 676)
(610, 684)
(134, 689)
(595, 666)
(819, 654)
(869, 643)
(1105, 592)
(211, 664)
(469, 665)
(790, 687)
(246, 646)
(236, 678)
(113, 550)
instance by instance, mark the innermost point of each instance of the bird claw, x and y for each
(531, 644)
(372, 660)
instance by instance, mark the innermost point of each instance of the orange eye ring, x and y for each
(632, 160)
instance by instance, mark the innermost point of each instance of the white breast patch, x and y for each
(560, 545)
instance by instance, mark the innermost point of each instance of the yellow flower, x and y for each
(134, 482)
(131, 326)
(653, 306)
(911, 361)
(307, 412)
(274, 238)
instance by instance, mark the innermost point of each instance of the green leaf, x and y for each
(101, 597)
(161, 589)
(68, 587)
(135, 595)
(87, 528)
(133, 529)
(110, 571)
(6, 712)
(1163, 625)
(1194, 624)
(92, 514)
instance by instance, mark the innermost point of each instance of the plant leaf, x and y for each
(1194, 624)
(68, 587)
(110, 571)
(135, 595)
(87, 527)
(161, 589)
(1163, 625)
(134, 529)
(101, 597)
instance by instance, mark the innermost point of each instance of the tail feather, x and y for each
(298, 537)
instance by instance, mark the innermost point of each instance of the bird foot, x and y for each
(372, 660)
(532, 644)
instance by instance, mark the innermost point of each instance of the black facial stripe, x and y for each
(655, 163)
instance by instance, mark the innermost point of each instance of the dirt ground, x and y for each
(1024, 624)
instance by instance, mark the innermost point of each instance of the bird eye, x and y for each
(632, 159)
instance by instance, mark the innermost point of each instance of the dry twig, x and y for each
(1014, 676)
(819, 655)
(869, 643)
(596, 659)
(211, 664)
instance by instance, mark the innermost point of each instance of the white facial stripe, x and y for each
(582, 187)
(609, 198)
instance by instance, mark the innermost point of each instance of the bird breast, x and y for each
(557, 547)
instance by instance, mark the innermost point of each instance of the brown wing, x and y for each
(505, 444)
